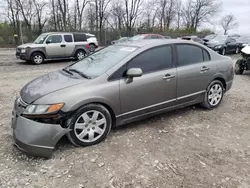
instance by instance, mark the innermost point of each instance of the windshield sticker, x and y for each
(128, 49)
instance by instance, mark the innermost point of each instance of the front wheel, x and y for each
(37, 58)
(213, 95)
(239, 67)
(90, 125)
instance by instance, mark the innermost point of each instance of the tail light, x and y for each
(88, 46)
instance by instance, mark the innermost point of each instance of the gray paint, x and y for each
(145, 96)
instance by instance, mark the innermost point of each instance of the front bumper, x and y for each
(22, 56)
(34, 138)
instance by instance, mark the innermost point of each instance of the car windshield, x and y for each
(137, 37)
(99, 62)
(218, 38)
(40, 39)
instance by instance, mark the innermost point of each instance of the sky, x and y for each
(241, 10)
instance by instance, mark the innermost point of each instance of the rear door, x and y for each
(231, 45)
(194, 71)
(155, 89)
(69, 44)
(54, 46)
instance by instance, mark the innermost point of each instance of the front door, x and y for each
(54, 46)
(155, 89)
(194, 71)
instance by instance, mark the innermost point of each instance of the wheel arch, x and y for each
(222, 80)
(38, 51)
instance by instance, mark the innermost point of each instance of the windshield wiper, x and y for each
(80, 73)
(66, 70)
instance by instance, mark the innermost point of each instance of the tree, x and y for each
(80, 5)
(198, 11)
(228, 22)
(41, 18)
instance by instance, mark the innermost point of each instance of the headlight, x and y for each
(218, 46)
(23, 50)
(34, 109)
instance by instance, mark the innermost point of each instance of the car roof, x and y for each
(49, 33)
(153, 42)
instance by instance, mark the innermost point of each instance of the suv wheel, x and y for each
(90, 125)
(239, 68)
(80, 54)
(37, 58)
(92, 47)
(213, 95)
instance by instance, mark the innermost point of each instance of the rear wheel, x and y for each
(239, 67)
(90, 125)
(37, 58)
(80, 54)
(213, 95)
(92, 47)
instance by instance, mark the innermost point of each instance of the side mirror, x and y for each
(47, 42)
(134, 72)
(131, 73)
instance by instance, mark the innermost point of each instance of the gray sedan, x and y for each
(116, 85)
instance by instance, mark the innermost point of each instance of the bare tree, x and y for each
(118, 14)
(40, 13)
(197, 11)
(228, 22)
(80, 5)
(131, 14)
(63, 10)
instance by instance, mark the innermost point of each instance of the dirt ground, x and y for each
(187, 148)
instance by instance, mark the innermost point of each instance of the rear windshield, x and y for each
(99, 62)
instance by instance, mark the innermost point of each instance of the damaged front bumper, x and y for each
(35, 138)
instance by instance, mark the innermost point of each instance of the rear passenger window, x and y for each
(206, 55)
(80, 37)
(68, 38)
(189, 54)
(155, 59)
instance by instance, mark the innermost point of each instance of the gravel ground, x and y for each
(190, 147)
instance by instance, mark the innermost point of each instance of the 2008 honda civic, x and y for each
(114, 86)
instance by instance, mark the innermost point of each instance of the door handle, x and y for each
(204, 69)
(168, 77)
(63, 45)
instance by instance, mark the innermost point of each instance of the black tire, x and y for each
(37, 58)
(223, 51)
(239, 68)
(237, 50)
(80, 54)
(206, 104)
(90, 107)
(92, 47)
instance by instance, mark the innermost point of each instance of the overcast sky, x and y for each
(241, 10)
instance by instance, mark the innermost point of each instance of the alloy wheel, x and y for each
(80, 55)
(38, 59)
(215, 95)
(90, 126)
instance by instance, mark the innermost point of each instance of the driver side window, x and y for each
(54, 39)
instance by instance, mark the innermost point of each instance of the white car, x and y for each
(92, 40)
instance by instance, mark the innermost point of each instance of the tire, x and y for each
(239, 68)
(223, 52)
(80, 54)
(92, 47)
(37, 58)
(209, 96)
(237, 50)
(92, 132)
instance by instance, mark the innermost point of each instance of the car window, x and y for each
(155, 37)
(153, 60)
(148, 37)
(68, 38)
(55, 39)
(206, 55)
(78, 37)
(189, 54)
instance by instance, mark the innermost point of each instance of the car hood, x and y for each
(30, 45)
(213, 43)
(46, 84)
